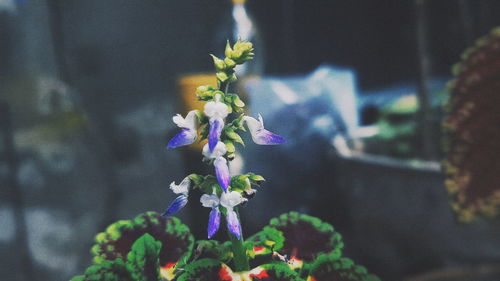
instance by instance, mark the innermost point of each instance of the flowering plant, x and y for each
(159, 247)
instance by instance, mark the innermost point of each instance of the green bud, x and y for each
(222, 76)
(230, 146)
(204, 93)
(254, 177)
(237, 101)
(231, 134)
(196, 179)
(229, 62)
(228, 50)
(219, 64)
(241, 52)
(232, 78)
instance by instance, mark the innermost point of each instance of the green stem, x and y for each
(240, 255)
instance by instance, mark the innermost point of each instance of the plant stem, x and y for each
(240, 255)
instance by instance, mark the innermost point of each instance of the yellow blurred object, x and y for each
(239, 2)
(187, 87)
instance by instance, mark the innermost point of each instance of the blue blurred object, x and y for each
(308, 111)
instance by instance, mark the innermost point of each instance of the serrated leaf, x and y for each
(143, 260)
(115, 270)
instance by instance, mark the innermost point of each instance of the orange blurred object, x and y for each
(187, 85)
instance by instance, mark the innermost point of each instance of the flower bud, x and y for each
(219, 64)
(228, 50)
(222, 76)
(204, 92)
(229, 63)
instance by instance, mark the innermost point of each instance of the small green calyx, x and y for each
(241, 52)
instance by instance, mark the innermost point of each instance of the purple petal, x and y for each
(176, 205)
(215, 132)
(264, 137)
(233, 224)
(213, 222)
(222, 172)
(185, 137)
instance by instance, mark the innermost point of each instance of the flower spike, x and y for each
(188, 133)
(259, 134)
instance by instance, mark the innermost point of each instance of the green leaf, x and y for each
(143, 260)
(266, 241)
(202, 270)
(322, 237)
(115, 270)
(330, 267)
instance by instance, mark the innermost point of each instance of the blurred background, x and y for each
(88, 89)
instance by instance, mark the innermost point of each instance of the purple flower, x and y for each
(216, 111)
(229, 200)
(213, 222)
(212, 201)
(222, 172)
(188, 133)
(259, 134)
(181, 200)
(176, 205)
(233, 224)
(216, 126)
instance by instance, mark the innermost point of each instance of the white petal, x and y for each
(182, 188)
(179, 121)
(261, 120)
(230, 199)
(190, 122)
(209, 200)
(219, 151)
(216, 109)
(253, 124)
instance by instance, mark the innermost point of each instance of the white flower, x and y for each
(259, 134)
(190, 122)
(229, 200)
(216, 109)
(209, 200)
(181, 188)
(219, 151)
(188, 133)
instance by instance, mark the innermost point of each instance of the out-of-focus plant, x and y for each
(472, 131)
(159, 247)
